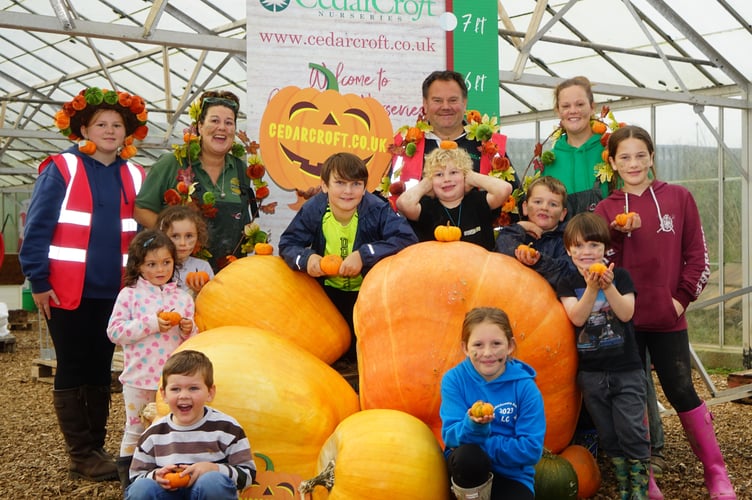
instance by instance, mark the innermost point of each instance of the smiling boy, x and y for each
(545, 208)
(194, 439)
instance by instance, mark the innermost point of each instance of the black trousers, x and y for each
(82, 348)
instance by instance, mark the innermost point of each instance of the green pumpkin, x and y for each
(555, 478)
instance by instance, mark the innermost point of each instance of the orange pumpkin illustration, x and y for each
(301, 128)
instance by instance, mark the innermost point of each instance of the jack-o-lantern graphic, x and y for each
(301, 128)
(271, 484)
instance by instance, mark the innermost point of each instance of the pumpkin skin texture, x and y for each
(586, 468)
(382, 454)
(555, 478)
(408, 321)
(263, 292)
(301, 128)
(287, 400)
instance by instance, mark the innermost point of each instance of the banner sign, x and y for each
(475, 52)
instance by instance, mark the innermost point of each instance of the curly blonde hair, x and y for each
(438, 159)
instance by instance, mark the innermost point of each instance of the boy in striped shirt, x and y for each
(193, 440)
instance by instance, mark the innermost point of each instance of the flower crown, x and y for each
(605, 124)
(73, 114)
(184, 191)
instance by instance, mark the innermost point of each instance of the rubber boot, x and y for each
(698, 426)
(621, 472)
(123, 468)
(641, 481)
(98, 400)
(482, 492)
(70, 407)
(654, 493)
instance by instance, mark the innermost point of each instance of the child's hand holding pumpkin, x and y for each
(627, 222)
(167, 319)
(196, 280)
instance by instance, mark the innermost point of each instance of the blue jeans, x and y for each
(209, 486)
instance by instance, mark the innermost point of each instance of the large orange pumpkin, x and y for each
(586, 468)
(408, 320)
(263, 291)
(378, 454)
(287, 400)
(301, 128)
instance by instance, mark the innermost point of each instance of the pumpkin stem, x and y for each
(331, 80)
(325, 478)
(267, 461)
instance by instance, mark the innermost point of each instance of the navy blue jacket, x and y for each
(554, 262)
(381, 232)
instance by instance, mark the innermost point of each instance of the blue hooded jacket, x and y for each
(514, 439)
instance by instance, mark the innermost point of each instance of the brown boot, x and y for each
(87, 463)
(123, 468)
(98, 410)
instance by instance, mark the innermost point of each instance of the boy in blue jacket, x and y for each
(545, 208)
(346, 220)
(495, 452)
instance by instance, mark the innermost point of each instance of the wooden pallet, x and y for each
(739, 379)
(7, 343)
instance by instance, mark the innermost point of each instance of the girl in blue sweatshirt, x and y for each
(493, 453)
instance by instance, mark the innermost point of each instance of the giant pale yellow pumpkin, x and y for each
(381, 454)
(408, 321)
(262, 291)
(287, 400)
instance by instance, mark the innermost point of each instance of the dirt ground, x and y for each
(33, 462)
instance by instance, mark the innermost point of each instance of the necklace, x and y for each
(451, 219)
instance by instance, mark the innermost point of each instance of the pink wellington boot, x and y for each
(654, 493)
(698, 426)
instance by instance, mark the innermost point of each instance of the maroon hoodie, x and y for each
(666, 257)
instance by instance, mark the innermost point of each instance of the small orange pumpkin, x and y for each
(598, 268)
(330, 264)
(173, 317)
(87, 147)
(586, 467)
(481, 409)
(598, 127)
(448, 145)
(623, 218)
(604, 155)
(176, 480)
(263, 249)
(447, 233)
(532, 252)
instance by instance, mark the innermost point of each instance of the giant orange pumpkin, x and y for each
(301, 128)
(263, 291)
(408, 321)
(378, 454)
(287, 400)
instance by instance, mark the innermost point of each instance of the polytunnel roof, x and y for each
(635, 51)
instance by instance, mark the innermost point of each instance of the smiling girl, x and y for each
(146, 338)
(662, 245)
(493, 456)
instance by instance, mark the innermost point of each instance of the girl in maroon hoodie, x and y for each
(659, 240)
